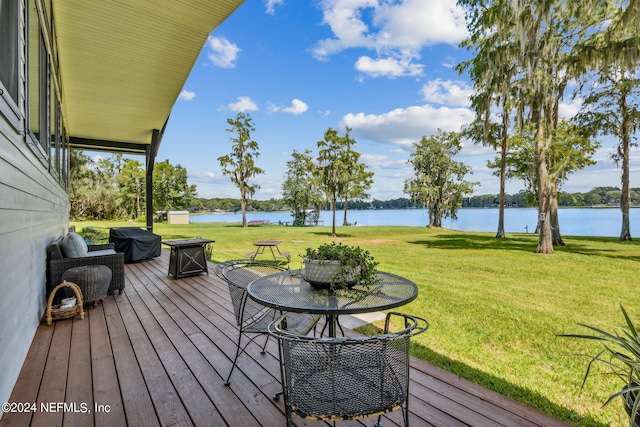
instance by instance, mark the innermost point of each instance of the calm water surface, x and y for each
(573, 221)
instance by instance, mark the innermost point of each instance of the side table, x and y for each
(187, 257)
(93, 281)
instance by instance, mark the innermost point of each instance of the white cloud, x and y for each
(418, 23)
(186, 95)
(344, 18)
(568, 110)
(297, 107)
(203, 177)
(271, 4)
(381, 161)
(397, 30)
(222, 52)
(388, 67)
(404, 126)
(244, 104)
(447, 92)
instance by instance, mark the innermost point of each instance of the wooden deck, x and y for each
(159, 353)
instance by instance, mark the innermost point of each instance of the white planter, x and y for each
(323, 273)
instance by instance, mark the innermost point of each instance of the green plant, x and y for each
(621, 354)
(351, 258)
(94, 236)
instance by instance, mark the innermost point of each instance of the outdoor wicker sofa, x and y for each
(59, 261)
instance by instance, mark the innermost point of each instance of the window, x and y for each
(9, 21)
(64, 157)
(54, 156)
(37, 81)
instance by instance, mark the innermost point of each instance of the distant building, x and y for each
(178, 217)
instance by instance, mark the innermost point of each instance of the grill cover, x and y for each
(137, 244)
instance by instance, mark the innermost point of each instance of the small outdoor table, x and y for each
(187, 257)
(264, 244)
(288, 291)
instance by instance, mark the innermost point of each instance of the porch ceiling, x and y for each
(123, 64)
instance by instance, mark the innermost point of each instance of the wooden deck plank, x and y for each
(136, 399)
(159, 354)
(106, 389)
(28, 383)
(165, 399)
(54, 378)
(160, 329)
(182, 334)
(202, 333)
(79, 388)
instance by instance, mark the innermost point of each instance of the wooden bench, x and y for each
(251, 255)
(286, 255)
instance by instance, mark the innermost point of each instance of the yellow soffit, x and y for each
(123, 63)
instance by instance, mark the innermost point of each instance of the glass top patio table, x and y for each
(289, 291)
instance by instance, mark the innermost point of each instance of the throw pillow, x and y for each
(74, 246)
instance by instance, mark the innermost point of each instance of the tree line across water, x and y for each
(599, 196)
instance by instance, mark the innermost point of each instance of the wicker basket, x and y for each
(55, 312)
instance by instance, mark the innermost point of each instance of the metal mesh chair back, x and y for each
(238, 275)
(346, 378)
(251, 317)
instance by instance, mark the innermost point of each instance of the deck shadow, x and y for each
(492, 382)
(521, 242)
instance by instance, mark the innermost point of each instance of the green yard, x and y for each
(495, 307)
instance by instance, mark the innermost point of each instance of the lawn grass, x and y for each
(495, 307)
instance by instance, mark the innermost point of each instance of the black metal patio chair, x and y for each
(345, 378)
(253, 318)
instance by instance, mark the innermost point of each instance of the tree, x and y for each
(300, 189)
(132, 189)
(571, 150)
(333, 169)
(492, 71)
(170, 188)
(240, 164)
(538, 38)
(439, 183)
(612, 109)
(93, 192)
(360, 179)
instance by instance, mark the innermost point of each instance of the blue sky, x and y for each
(383, 68)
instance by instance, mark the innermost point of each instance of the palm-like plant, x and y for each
(621, 353)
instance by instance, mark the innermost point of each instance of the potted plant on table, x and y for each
(334, 265)
(621, 354)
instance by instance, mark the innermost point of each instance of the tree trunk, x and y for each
(243, 207)
(545, 245)
(437, 218)
(556, 237)
(333, 216)
(344, 220)
(625, 233)
(503, 168)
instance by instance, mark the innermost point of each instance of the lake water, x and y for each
(573, 221)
